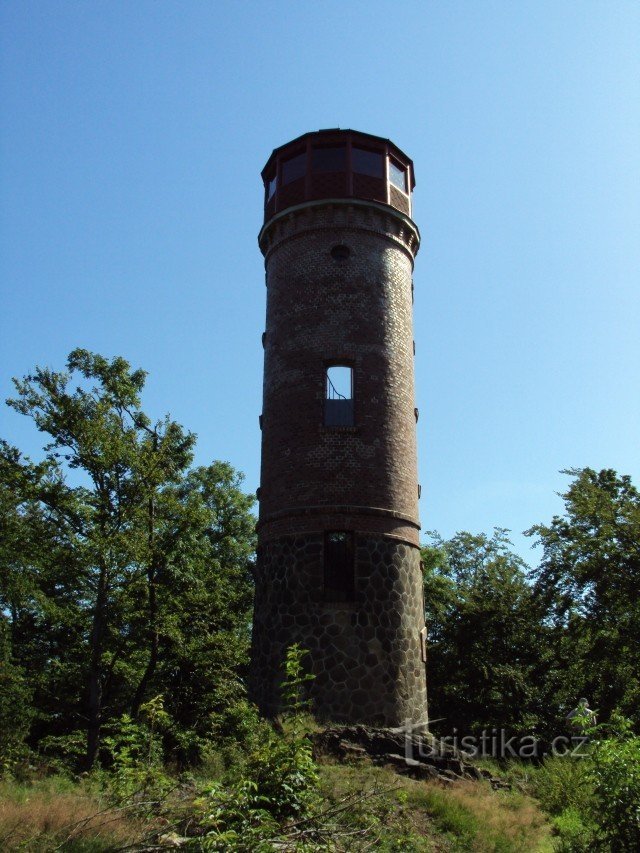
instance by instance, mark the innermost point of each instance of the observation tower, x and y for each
(338, 565)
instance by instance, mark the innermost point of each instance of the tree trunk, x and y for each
(154, 642)
(95, 669)
(154, 639)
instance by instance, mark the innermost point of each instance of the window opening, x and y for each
(271, 188)
(294, 168)
(338, 403)
(329, 159)
(367, 162)
(339, 566)
(340, 252)
(397, 175)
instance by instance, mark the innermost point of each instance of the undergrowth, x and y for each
(259, 788)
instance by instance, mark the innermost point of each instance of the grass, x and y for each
(57, 813)
(465, 816)
(365, 808)
(561, 786)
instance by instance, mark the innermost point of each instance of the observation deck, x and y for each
(337, 164)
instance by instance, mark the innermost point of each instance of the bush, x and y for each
(595, 800)
(279, 780)
(133, 751)
(615, 775)
(562, 782)
(575, 836)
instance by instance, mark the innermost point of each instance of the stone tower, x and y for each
(338, 567)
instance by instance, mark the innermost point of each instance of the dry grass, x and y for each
(55, 812)
(507, 820)
(464, 816)
(385, 812)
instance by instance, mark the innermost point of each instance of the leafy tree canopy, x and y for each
(589, 581)
(124, 571)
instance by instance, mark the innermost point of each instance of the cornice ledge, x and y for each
(338, 509)
(411, 241)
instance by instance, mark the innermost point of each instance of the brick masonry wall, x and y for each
(357, 310)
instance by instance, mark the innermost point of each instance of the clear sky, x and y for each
(132, 138)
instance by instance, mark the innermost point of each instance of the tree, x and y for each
(15, 702)
(127, 549)
(485, 649)
(589, 582)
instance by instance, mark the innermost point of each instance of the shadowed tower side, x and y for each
(338, 567)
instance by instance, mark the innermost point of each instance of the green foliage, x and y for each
(508, 653)
(615, 775)
(16, 711)
(588, 582)
(133, 752)
(562, 782)
(486, 650)
(595, 800)
(123, 573)
(285, 773)
(279, 781)
(574, 835)
(236, 818)
(65, 752)
(295, 679)
(282, 766)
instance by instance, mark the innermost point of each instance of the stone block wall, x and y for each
(365, 655)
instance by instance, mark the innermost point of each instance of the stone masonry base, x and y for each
(366, 654)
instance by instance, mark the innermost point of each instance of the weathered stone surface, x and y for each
(365, 666)
(420, 756)
(411, 767)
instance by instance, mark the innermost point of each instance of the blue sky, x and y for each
(132, 137)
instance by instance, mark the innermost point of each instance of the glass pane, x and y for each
(397, 175)
(271, 188)
(367, 162)
(339, 385)
(294, 168)
(329, 159)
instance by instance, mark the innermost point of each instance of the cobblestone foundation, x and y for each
(365, 654)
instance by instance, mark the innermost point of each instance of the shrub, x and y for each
(280, 776)
(562, 782)
(575, 836)
(134, 752)
(615, 775)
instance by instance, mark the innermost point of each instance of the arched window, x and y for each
(338, 402)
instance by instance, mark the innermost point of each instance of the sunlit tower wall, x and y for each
(338, 565)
